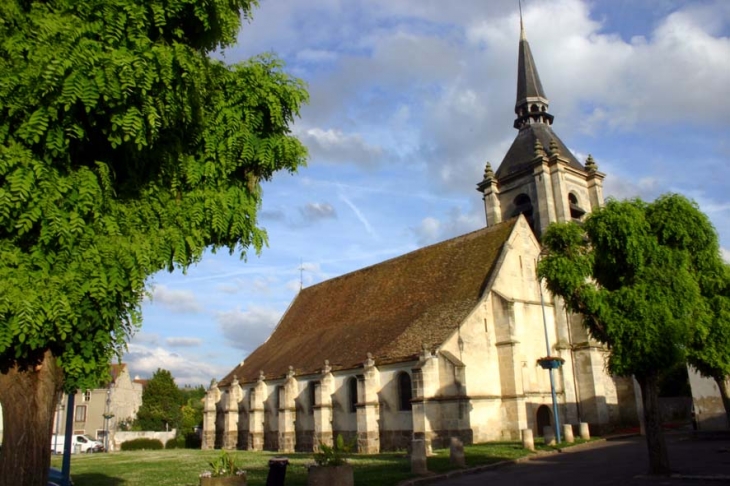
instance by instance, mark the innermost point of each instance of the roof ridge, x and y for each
(494, 227)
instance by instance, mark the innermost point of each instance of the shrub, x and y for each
(175, 443)
(142, 444)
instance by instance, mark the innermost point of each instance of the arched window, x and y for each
(277, 398)
(312, 392)
(534, 109)
(352, 394)
(405, 393)
(523, 205)
(576, 212)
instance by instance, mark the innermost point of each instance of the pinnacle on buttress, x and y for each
(539, 149)
(488, 172)
(591, 165)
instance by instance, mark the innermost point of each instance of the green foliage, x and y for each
(335, 455)
(142, 444)
(175, 443)
(161, 403)
(124, 149)
(636, 272)
(192, 410)
(224, 465)
(709, 352)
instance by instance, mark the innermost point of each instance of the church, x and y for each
(441, 342)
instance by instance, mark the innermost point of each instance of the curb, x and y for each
(488, 467)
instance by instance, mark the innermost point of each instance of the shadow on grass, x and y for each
(97, 479)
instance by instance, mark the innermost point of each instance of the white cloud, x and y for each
(335, 146)
(318, 211)
(183, 342)
(247, 329)
(180, 301)
(456, 223)
(142, 337)
(186, 369)
(316, 55)
(725, 252)
(360, 216)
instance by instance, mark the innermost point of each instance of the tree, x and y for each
(161, 402)
(709, 353)
(635, 272)
(125, 148)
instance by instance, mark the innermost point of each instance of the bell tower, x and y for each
(539, 176)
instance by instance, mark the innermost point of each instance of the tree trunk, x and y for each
(28, 394)
(658, 455)
(722, 383)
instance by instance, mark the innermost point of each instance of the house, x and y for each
(441, 342)
(102, 409)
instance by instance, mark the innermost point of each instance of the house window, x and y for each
(80, 415)
(87, 396)
(352, 394)
(405, 393)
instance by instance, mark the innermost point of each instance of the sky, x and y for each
(409, 100)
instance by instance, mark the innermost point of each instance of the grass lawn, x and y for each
(181, 467)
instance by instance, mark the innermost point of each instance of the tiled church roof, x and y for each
(389, 309)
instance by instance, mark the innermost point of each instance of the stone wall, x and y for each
(118, 438)
(707, 402)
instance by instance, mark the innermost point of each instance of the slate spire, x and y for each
(532, 104)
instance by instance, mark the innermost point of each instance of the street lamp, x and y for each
(549, 362)
(107, 416)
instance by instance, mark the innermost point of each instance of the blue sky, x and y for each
(409, 100)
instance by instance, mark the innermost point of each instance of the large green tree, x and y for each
(125, 148)
(161, 403)
(635, 272)
(709, 353)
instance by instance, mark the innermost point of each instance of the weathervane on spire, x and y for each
(522, 27)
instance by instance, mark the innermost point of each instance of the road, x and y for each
(621, 461)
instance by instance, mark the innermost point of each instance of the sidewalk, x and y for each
(695, 459)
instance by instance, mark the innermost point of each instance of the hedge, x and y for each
(142, 444)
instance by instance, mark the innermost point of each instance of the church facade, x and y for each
(441, 342)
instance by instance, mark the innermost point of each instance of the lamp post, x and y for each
(107, 417)
(549, 362)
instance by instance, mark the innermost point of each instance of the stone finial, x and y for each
(290, 373)
(554, 149)
(327, 368)
(235, 381)
(488, 172)
(262, 376)
(425, 352)
(213, 384)
(539, 149)
(369, 362)
(591, 165)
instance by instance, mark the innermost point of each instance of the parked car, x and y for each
(80, 443)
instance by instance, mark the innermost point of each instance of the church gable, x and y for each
(389, 309)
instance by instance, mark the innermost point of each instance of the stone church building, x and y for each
(441, 342)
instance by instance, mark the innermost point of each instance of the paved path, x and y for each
(621, 461)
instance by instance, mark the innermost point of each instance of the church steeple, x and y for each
(539, 176)
(532, 104)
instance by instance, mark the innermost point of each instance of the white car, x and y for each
(80, 443)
